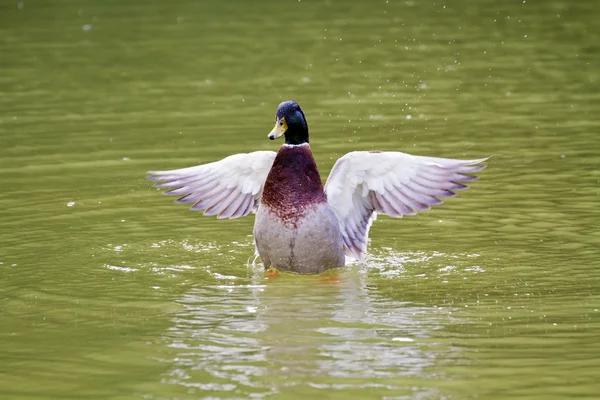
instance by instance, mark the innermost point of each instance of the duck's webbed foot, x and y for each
(271, 273)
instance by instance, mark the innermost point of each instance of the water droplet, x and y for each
(402, 339)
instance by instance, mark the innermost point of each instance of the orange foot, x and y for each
(329, 278)
(271, 273)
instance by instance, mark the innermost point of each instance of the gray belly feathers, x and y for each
(312, 245)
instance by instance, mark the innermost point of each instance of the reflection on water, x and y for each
(257, 331)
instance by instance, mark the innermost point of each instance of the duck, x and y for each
(305, 227)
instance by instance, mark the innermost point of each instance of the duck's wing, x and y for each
(362, 184)
(229, 188)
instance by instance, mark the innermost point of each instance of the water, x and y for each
(108, 290)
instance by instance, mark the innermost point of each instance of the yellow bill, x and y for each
(279, 129)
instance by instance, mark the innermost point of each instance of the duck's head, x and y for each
(290, 121)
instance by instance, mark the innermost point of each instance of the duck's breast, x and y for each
(293, 184)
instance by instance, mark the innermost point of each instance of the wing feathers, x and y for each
(387, 206)
(232, 204)
(212, 202)
(248, 206)
(229, 188)
(239, 211)
(402, 203)
(391, 183)
(198, 194)
(431, 191)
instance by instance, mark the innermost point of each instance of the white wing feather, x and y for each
(229, 188)
(362, 184)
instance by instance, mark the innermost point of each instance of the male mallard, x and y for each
(300, 226)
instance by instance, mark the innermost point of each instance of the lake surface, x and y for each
(108, 290)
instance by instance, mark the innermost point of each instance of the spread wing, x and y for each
(229, 188)
(362, 184)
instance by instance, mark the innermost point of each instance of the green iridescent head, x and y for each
(290, 121)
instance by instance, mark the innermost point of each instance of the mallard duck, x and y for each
(302, 226)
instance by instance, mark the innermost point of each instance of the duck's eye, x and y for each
(280, 123)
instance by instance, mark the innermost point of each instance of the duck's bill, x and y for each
(279, 129)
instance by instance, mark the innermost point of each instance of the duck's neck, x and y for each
(293, 182)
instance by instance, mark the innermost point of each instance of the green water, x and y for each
(108, 290)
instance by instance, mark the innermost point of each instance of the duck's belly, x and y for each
(310, 245)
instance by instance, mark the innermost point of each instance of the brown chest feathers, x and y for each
(293, 184)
